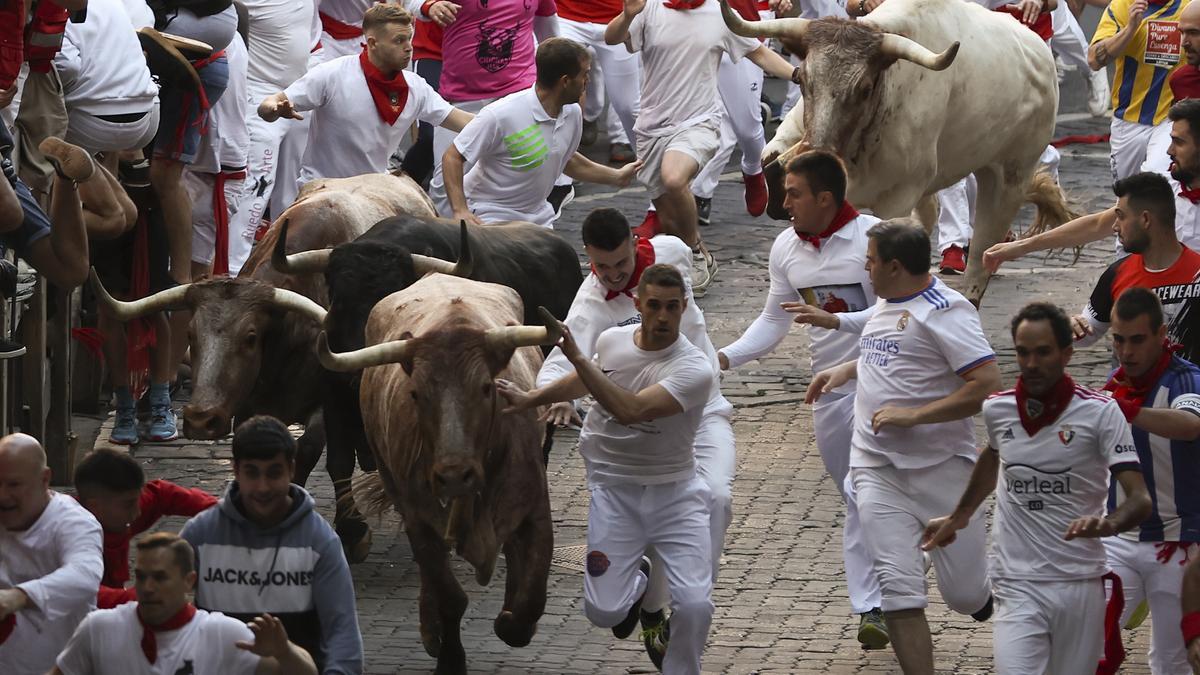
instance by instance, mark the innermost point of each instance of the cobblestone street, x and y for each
(781, 600)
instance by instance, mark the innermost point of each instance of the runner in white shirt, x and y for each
(924, 368)
(1054, 445)
(816, 269)
(518, 146)
(346, 139)
(651, 387)
(678, 125)
(605, 300)
(51, 560)
(164, 634)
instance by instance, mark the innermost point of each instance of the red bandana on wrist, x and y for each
(390, 96)
(844, 215)
(1190, 194)
(1137, 388)
(149, 642)
(1038, 412)
(683, 4)
(7, 626)
(643, 258)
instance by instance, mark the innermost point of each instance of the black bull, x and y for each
(542, 268)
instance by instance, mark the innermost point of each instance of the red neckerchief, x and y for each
(844, 215)
(390, 96)
(643, 257)
(1039, 412)
(683, 4)
(7, 626)
(1137, 388)
(1190, 194)
(149, 642)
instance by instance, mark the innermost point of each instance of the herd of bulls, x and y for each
(350, 320)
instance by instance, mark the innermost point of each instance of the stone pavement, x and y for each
(781, 601)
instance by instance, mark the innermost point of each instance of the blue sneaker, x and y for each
(125, 430)
(162, 423)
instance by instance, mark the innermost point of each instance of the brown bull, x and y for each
(464, 476)
(249, 357)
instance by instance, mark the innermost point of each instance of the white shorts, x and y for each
(1137, 147)
(894, 505)
(700, 142)
(99, 135)
(1048, 627)
(1143, 577)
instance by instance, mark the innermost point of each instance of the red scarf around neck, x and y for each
(390, 96)
(643, 257)
(683, 4)
(1137, 388)
(150, 642)
(1038, 412)
(1190, 194)
(844, 215)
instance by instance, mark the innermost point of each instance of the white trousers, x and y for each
(956, 214)
(1068, 40)
(291, 150)
(204, 225)
(740, 85)
(1138, 147)
(625, 520)
(442, 138)
(895, 504)
(1143, 577)
(618, 84)
(833, 422)
(1048, 627)
(261, 165)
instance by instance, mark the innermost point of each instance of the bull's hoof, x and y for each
(514, 633)
(431, 641)
(451, 661)
(356, 539)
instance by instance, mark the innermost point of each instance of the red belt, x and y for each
(338, 30)
(221, 218)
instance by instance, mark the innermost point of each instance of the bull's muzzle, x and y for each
(457, 478)
(205, 424)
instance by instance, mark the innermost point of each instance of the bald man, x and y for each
(51, 560)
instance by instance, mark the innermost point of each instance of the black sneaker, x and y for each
(8, 278)
(656, 632)
(985, 613)
(560, 196)
(703, 210)
(10, 349)
(625, 628)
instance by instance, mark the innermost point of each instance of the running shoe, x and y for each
(704, 270)
(656, 632)
(755, 193)
(162, 423)
(10, 349)
(125, 429)
(703, 210)
(560, 196)
(1138, 617)
(872, 631)
(954, 261)
(625, 628)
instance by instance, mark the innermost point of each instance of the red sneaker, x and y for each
(755, 193)
(649, 226)
(953, 261)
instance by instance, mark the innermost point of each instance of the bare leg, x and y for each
(166, 177)
(107, 211)
(62, 257)
(114, 348)
(909, 632)
(676, 207)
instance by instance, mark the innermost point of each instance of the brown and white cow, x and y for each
(464, 476)
(250, 356)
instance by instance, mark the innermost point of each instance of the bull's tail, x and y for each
(1053, 208)
(368, 494)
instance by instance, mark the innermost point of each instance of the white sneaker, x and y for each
(1098, 93)
(704, 270)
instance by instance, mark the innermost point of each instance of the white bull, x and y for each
(873, 94)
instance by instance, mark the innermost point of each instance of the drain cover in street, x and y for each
(569, 557)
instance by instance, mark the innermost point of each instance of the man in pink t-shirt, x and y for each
(487, 52)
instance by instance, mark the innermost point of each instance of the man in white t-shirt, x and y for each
(164, 634)
(817, 270)
(651, 386)
(605, 300)
(51, 560)
(362, 105)
(519, 145)
(678, 125)
(1054, 444)
(924, 368)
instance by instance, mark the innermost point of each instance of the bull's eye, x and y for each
(251, 340)
(413, 393)
(487, 389)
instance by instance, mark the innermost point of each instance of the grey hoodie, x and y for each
(295, 570)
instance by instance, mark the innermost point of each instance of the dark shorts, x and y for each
(114, 259)
(181, 117)
(35, 224)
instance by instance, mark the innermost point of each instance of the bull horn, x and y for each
(423, 264)
(900, 47)
(295, 302)
(134, 309)
(305, 262)
(774, 28)
(392, 351)
(511, 337)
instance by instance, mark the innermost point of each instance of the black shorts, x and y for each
(114, 259)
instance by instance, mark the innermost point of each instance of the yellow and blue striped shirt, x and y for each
(1140, 93)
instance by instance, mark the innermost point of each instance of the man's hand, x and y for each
(1137, 11)
(1080, 328)
(634, 7)
(444, 12)
(270, 638)
(941, 532)
(625, 175)
(12, 600)
(867, 7)
(827, 380)
(518, 399)
(813, 316)
(277, 106)
(1091, 527)
(999, 254)
(1030, 9)
(780, 7)
(7, 95)
(465, 214)
(897, 417)
(562, 414)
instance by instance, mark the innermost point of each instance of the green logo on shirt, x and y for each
(527, 148)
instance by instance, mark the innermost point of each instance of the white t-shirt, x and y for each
(101, 64)
(913, 351)
(108, 642)
(57, 562)
(516, 150)
(347, 137)
(279, 44)
(648, 453)
(681, 53)
(1046, 481)
(832, 278)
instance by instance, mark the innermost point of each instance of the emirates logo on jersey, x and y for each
(903, 322)
(1065, 434)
